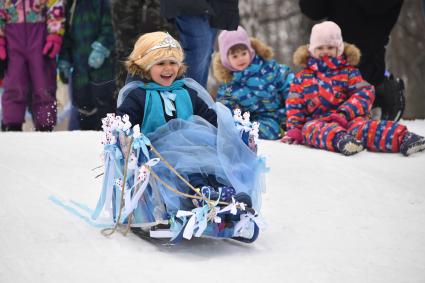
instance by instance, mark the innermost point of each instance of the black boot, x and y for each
(11, 128)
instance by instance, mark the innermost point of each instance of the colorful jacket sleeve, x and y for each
(55, 17)
(224, 95)
(295, 106)
(361, 96)
(3, 17)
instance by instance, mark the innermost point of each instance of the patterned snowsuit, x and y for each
(92, 89)
(25, 25)
(333, 85)
(260, 89)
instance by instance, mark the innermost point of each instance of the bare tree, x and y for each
(406, 56)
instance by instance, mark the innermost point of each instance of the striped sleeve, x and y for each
(295, 106)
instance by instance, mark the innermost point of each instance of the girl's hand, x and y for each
(293, 136)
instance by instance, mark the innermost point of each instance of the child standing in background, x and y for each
(329, 104)
(252, 81)
(30, 38)
(88, 48)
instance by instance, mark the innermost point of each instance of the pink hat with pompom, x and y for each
(326, 33)
(228, 39)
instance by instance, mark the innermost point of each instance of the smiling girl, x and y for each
(251, 80)
(195, 135)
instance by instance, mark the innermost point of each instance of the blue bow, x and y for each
(142, 142)
(168, 97)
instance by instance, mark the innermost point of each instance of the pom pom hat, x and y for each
(228, 39)
(153, 48)
(326, 33)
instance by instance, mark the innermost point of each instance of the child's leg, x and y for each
(323, 135)
(412, 143)
(42, 70)
(384, 136)
(16, 86)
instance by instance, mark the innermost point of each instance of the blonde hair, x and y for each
(147, 52)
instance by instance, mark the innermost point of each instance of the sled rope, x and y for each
(180, 193)
(110, 231)
(175, 171)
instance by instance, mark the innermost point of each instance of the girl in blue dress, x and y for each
(208, 181)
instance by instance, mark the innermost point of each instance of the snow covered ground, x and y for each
(331, 219)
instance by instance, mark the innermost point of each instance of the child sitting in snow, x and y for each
(251, 80)
(195, 136)
(329, 103)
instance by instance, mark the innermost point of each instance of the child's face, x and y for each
(165, 72)
(325, 50)
(239, 59)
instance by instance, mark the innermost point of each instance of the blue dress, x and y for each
(191, 145)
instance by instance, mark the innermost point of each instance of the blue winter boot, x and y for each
(412, 143)
(349, 145)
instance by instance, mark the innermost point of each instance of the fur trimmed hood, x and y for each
(352, 53)
(223, 75)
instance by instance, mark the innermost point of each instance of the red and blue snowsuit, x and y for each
(24, 28)
(334, 85)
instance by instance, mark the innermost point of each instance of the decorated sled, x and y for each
(146, 185)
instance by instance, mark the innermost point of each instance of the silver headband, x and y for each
(167, 42)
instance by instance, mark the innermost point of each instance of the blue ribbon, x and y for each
(168, 98)
(114, 150)
(142, 142)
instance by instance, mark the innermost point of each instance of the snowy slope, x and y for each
(331, 219)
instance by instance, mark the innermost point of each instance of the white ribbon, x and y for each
(245, 218)
(168, 98)
(197, 221)
(131, 202)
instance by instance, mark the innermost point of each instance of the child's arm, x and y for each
(224, 95)
(200, 108)
(134, 106)
(55, 17)
(106, 35)
(295, 106)
(55, 20)
(361, 97)
(3, 19)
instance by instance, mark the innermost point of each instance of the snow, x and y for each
(330, 219)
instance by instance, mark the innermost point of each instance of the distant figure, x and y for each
(31, 68)
(329, 103)
(368, 25)
(197, 22)
(88, 49)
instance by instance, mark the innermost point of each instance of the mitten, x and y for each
(64, 71)
(98, 55)
(3, 53)
(293, 136)
(53, 45)
(339, 118)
